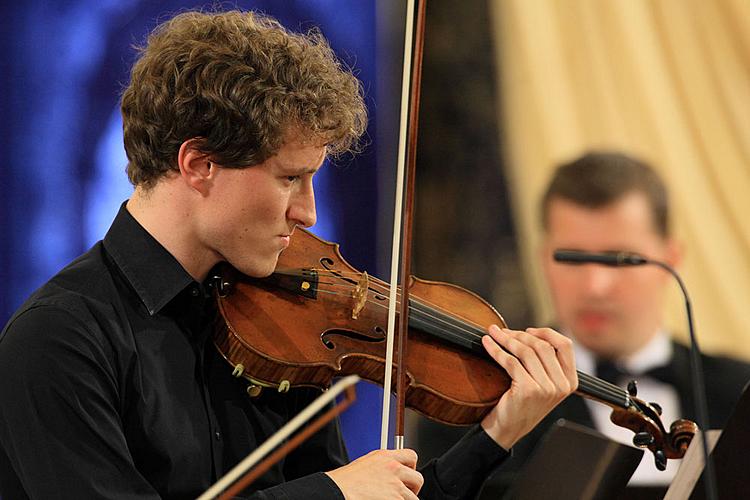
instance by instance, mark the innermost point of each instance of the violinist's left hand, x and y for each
(542, 371)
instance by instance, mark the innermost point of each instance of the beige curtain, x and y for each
(667, 80)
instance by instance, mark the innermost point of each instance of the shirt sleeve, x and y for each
(460, 472)
(59, 399)
(316, 486)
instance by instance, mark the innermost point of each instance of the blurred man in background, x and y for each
(604, 202)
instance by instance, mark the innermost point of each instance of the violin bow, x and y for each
(246, 471)
(404, 209)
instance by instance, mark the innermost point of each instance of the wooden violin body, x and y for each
(316, 318)
(299, 328)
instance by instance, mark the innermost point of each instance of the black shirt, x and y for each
(111, 388)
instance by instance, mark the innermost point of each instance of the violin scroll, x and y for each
(644, 420)
(681, 433)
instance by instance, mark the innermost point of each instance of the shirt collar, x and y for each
(155, 275)
(657, 352)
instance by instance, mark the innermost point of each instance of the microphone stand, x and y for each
(698, 383)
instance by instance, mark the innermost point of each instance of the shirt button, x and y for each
(194, 292)
(218, 435)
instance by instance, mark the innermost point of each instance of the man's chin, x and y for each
(605, 350)
(597, 341)
(257, 269)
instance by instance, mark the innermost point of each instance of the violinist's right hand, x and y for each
(380, 474)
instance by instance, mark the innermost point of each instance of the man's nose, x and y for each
(598, 280)
(302, 210)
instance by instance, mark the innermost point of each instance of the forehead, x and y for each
(617, 224)
(300, 156)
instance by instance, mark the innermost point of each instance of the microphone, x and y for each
(623, 259)
(606, 258)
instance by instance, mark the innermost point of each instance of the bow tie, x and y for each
(613, 373)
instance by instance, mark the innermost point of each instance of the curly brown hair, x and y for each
(239, 82)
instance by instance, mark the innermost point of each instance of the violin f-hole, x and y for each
(326, 337)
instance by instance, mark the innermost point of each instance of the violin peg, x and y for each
(633, 388)
(239, 369)
(656, 407)
(254, 390)
(643, 439)
(660, 459)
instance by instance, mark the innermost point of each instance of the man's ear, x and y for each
(674, 252)
(195, 166)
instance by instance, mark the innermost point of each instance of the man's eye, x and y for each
(292, 178)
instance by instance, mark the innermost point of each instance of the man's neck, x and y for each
(166, 214)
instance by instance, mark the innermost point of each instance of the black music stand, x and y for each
(574, 462)
(728, 455)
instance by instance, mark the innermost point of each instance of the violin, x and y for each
(316, 317)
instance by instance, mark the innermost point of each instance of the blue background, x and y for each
(63, 171)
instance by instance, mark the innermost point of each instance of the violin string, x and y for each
(451, 331)
(469, 330)
(448, 328)
(472, 329)
(588, 383)
(596, 386)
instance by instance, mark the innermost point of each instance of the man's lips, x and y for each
(593, 320)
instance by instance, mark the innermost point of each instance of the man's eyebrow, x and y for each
(298, 170)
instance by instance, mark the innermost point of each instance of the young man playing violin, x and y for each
(109, 382)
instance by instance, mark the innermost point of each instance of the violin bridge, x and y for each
(360, 295)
